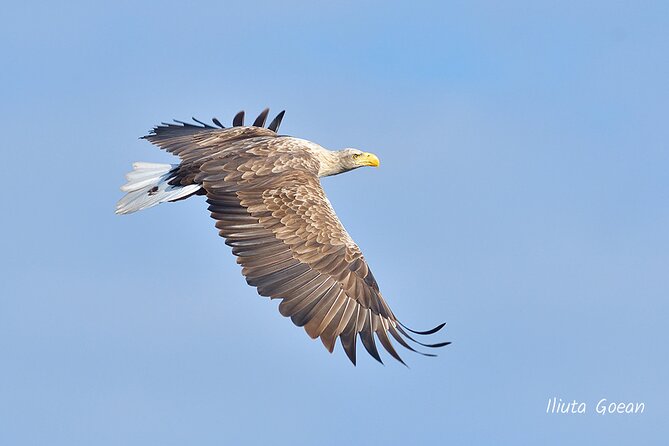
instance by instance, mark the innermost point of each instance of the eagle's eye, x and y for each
(356, 155)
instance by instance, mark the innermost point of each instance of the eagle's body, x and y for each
(264, 192)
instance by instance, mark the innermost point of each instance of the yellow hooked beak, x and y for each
(367, 159)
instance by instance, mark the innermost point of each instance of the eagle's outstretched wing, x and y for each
(192, 142)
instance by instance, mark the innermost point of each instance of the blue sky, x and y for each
(522, 198)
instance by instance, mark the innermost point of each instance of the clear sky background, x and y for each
(522, 197)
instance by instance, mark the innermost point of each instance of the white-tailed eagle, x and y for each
(264, 192)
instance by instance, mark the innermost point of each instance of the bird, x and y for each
(264, 192)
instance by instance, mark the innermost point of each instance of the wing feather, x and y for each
(238, 120)
(331, 313)
(276, 122)
(312, 302)
(337, 323)
(262, 117)
(326, 303)
(367, 335)
(349, 336)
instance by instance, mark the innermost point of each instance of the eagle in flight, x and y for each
(264, 192)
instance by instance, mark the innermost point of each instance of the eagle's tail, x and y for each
(148, 185)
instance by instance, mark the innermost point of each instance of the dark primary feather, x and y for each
(262, 117)
(272, 211)
(205, 125)
(238, 120)
(426, 332)
(276, 122)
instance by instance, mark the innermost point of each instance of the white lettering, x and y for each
(601, 408)
(604, 407)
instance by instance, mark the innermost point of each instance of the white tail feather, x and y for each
(148, 186)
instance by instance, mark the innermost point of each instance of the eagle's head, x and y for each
(354, 158)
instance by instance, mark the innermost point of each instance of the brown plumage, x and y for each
(264, 192)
